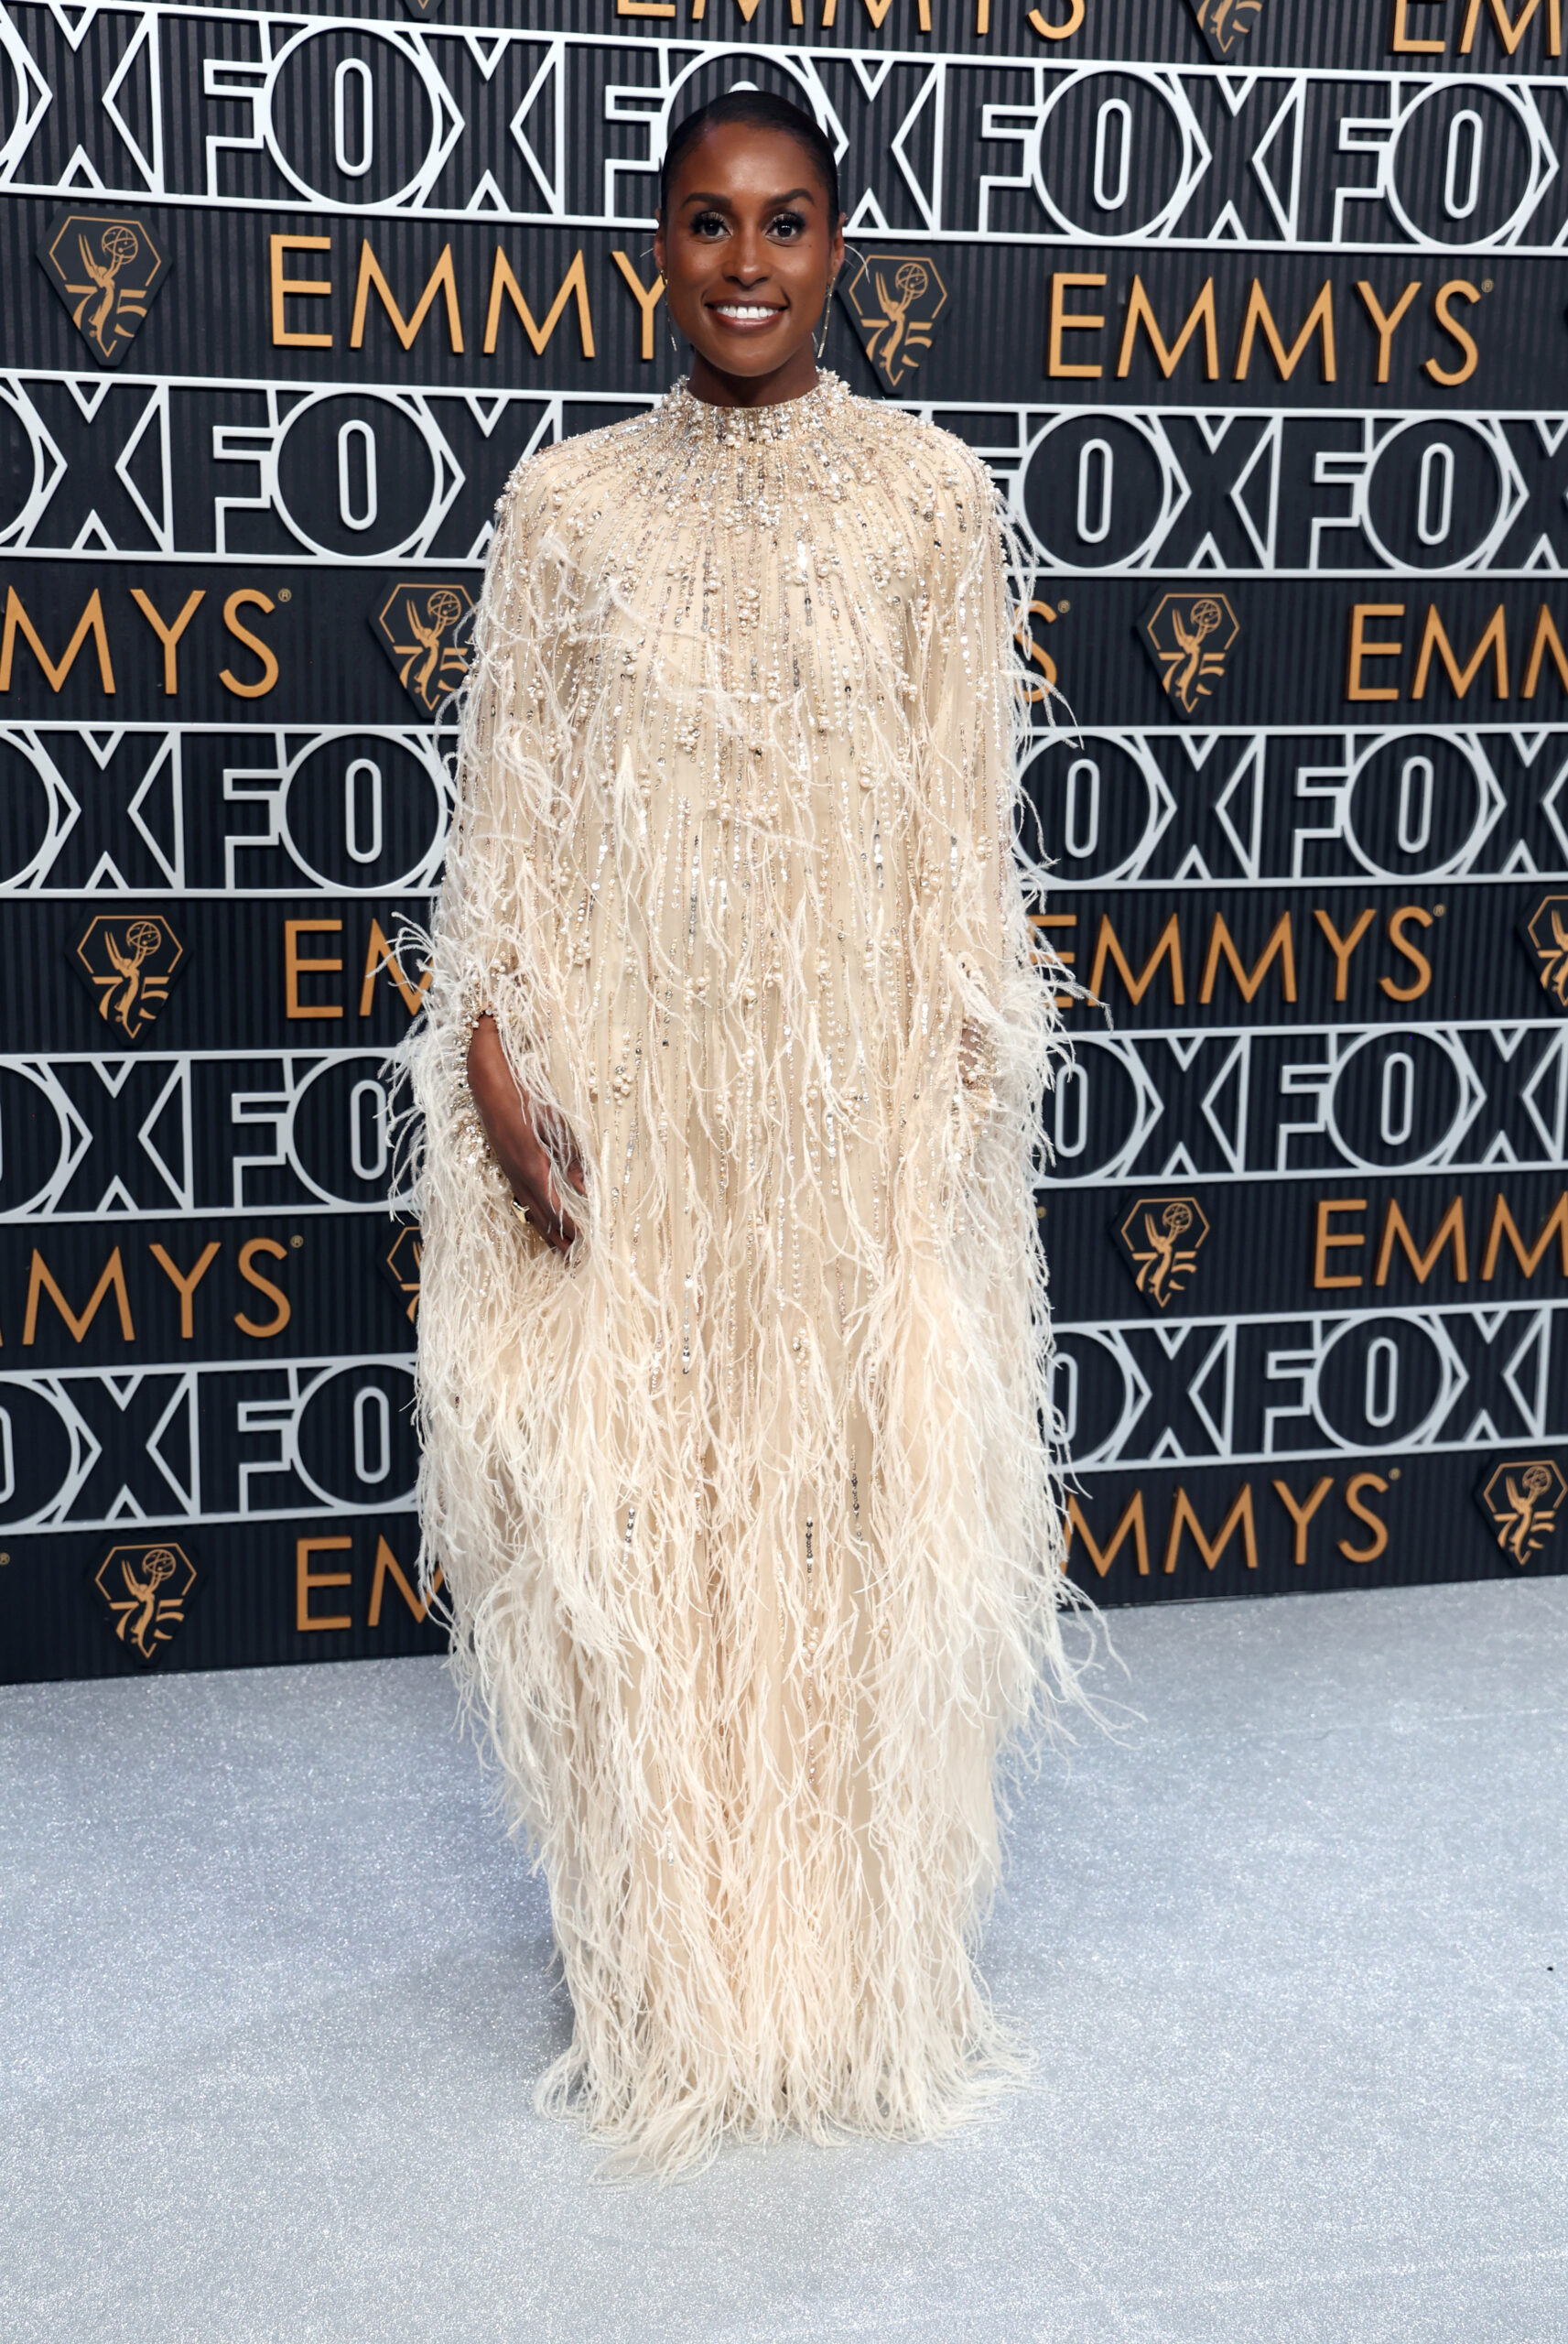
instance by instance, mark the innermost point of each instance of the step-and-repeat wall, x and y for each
(1256, 308)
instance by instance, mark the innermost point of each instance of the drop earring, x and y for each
(647, 253)
(827, 317)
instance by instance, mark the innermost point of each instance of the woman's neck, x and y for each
(792, 380)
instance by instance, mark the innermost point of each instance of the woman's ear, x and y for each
(659, 242)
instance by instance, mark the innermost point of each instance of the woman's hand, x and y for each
(509, 1127)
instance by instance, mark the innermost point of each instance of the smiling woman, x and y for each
(749, 259)
(734, 1355)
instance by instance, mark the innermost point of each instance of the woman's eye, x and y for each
(789, 225)
(709, 224)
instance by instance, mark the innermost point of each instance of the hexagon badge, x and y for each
(1161, 1237)
(106, 269)
(1545, 935)
(400, 1266)
(1523, 1501)
(1225, 24)
(895, 300)
(128, 961)
(418, 626)
(145, 1589)
(1189, 637)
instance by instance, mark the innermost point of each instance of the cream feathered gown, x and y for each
(746, 1515)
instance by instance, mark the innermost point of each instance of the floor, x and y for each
(1291, 1944)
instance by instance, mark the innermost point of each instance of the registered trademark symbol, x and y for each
(297, 1241)
(285, 593)
(1438, 910)
(4, 1559)
(1394, 1473)
(1486, 284)
(1064, 608)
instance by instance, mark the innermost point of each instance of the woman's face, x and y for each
(748, 253)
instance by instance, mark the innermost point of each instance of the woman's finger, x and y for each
(553, 1221)
(535, 1185)
(536, 1188)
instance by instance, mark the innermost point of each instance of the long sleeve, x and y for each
(1001, 1040)
(972, 710)
(493, 947)
(488, 945)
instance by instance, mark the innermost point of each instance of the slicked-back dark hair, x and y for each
(763, 111)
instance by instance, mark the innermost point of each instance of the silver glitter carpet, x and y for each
(1291, 1947)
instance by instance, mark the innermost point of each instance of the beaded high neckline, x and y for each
(787, 419)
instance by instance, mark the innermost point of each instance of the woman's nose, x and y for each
(748, 259)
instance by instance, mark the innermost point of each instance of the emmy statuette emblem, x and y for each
(106, 269)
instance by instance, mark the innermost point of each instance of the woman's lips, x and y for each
(749, 316)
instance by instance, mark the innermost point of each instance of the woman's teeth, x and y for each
(746, 310)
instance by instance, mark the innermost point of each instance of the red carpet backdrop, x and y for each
(1256, 308)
